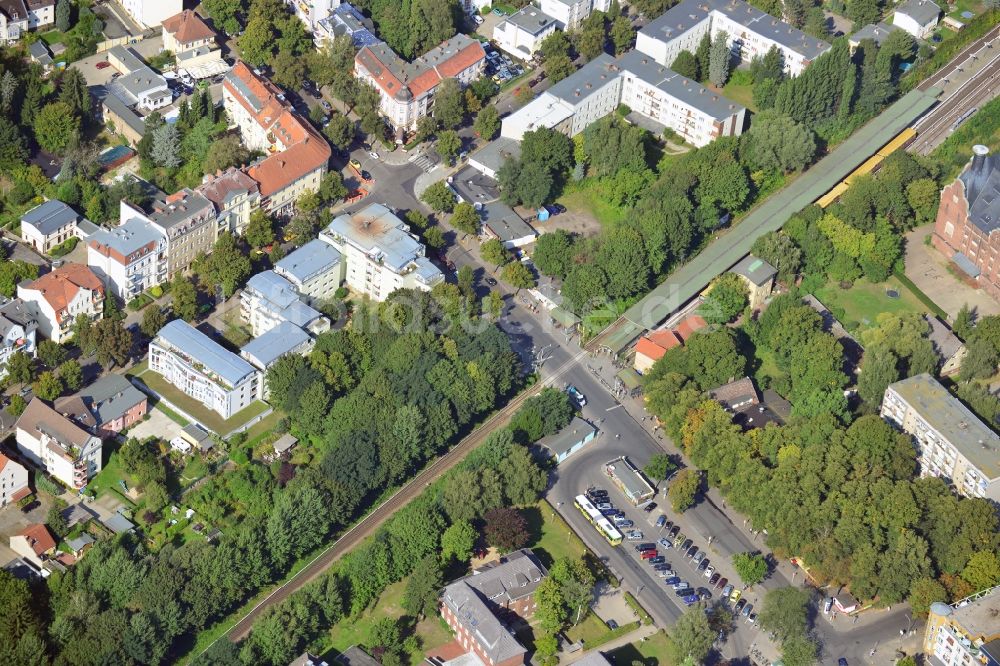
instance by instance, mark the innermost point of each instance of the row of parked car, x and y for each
(500, 65)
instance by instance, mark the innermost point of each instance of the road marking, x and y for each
(615, 407)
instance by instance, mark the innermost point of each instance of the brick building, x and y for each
(967, 229)
(479, 607)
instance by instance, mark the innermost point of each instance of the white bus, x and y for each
(598, 520)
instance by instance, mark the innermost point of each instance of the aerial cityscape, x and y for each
(499, 332)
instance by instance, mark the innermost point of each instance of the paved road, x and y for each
(969, 81)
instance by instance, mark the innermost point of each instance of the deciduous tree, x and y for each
(439, 197)
(506, 529)
(751, 567)
(458, 541)
(487, 122)
(56, 127)
(684, 489)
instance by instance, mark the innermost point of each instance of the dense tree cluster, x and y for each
(413, 27)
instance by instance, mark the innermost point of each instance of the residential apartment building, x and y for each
(751, 33)
(479, 607)
(186, 31)
(952, 443)
(379, 255)
(63, 295)
(522, 33)
(265, 350)
(106, 407)
(151, 13)
(53, 223)
(345, 20)
(13, 481)
(269, 299)
(204, 370)
(571, 13)
(966, 632)
(297, 155)
(649, 89)
(35, 544)
(57, 445)
(138, 87)
(187, 220)
(18, 325)
(235, 197)
(406, 90)
(967, 229)
(19, 16)
(314, 270)
(129, 258)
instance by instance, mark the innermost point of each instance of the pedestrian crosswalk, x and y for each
(424, 162)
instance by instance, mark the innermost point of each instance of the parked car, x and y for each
(666, 572)
(623, 523)
(672, 580)
(103, 64)
(683, 585)
(704, 593)
(356, 164)
(714, 579)
(490, 281)
(684, 546)
(699, 555)
(659, 559)
(326, 105)
(665, 543)
(645, 546)
(709, 571)
(747, 610)
(649, 507)
(674, 531)
(690, 599)
(605, 505)
(478, 19)
(661, 521)
(691, 552)
(752, 619)
(373, 154)
(721, 583)
(703, 565)
(726, 591)
(735, 596)
(828, 604)
(579, 398)
(634, 535)
(740, 605)
(648, 554)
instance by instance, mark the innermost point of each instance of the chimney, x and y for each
(979, 155)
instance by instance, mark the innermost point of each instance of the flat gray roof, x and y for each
(574, 433)
(284, 338)
(688, 13)
(136, 122)
(187, 339)
(532, 20)
(128, 57)
(956, 422)
(180, 207)
(504, 222)
(690, 92)
(756, 270)
(877, 32)
(496, 152)
(376, 231)
(311, 259)
(631, 479)
(585, 81)
(129, 237)
(282, 298)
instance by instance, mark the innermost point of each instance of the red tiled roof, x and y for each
(305, 150)
(21, 494)
(60, 287)
(188, 27)
(39, 538)
(689, 326)
(462, 60)
(656, 344)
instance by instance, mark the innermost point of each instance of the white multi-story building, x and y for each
(406, 90)
(965, 633)
(56, 444)
(314, 270)
(150, 13)
(522, 33)
(63, 295)
(751, 33)
(203, 370)
(571, 13)
(129, 258)
(18, 325)
(649, 89)
(13, 481)
(268, 300)
(952, 442)
(297, 155)
(52, 223)
(379, 255)
(186, 219)
(917, 17)
(186, 32)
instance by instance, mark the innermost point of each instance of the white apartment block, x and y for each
(314, 270)
(379, 255)
(751, 33)
(19, 16)
(56, 444)
(150, 13)
(13, 481)
(571, 13)
(204, 370)
(235, 196)
(406, 90)
(917, 17)
(648, 88)
(129, 258)
(522, 33)
(952, 443)
(269, 299)
(63, 295)
(52, 223)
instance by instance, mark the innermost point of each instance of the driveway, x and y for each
(12, 521)
(610, 604)
(929, 271)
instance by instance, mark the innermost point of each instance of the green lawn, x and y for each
(583, 196)
(210, 419)
(741, 94)
(553, 537)
(651, 652)
(974, 6)
(259, 430)
(859, 306)
(53, 37)
(107, 479)
(431, 630)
